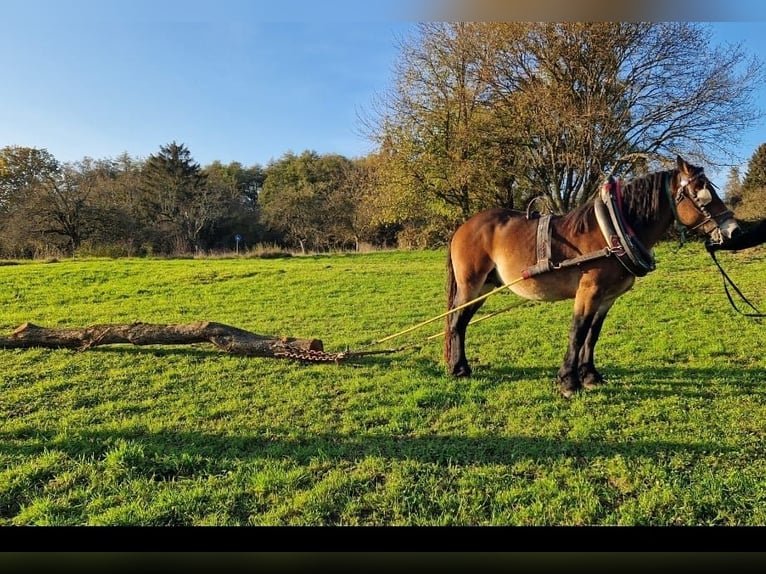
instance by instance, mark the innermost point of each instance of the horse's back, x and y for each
(482, 230)
(500, 245)
(493, 232)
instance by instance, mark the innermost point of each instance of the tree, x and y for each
(732, 190)
(361, 191)
(174, 190)
(118, 225)
(305, 198)
(64, 206)
(127, 225)
(22, 170)
(752, 199)
(26, 175)
(506, 111)
(240, 187)
(432, 127)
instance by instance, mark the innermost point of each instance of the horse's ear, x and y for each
(681, 164)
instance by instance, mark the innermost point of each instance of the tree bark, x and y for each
(229, 339)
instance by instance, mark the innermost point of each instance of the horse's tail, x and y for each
(451, 294)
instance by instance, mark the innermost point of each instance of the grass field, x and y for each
(188, 435)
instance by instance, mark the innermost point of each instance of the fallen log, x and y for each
(229, 339)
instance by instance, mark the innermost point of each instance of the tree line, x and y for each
(479, 115)
(169, 204)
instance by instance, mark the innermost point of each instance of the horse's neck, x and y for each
(654, 229)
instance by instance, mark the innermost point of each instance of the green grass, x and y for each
(187, 435)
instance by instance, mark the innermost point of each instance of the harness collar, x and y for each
(618, 233)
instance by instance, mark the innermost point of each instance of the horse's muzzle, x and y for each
(726, 230)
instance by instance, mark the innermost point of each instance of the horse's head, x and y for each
(697, 205)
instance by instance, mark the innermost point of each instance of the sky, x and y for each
(233, 80)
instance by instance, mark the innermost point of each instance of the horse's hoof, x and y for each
(591, 381)
(590, 378)
(569, 387)
(461, 371)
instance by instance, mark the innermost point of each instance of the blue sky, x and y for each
(233, 80)
(230, 87)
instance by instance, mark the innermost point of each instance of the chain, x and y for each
(308, 355)
(285, 351)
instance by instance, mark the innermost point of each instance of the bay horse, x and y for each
(592, 254)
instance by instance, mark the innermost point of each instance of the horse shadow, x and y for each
(489, 449)
(656, 382)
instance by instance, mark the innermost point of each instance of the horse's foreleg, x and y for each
(586, 325)
(589, 376)
(568, 375)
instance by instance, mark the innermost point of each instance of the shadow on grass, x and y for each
(646, 383)
(623, 385)
(220, 450)
(655, 382)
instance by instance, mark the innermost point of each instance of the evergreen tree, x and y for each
(755, 177)
(173, 188)
(733, 189)
(752, 204)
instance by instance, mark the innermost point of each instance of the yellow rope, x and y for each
(478, 320)
(458, 308)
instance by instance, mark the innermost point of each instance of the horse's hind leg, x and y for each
(457, 324)
(462, 287)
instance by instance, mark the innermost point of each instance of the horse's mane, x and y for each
(641, 203)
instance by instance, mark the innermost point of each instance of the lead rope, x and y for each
(727, 279)
(314, 356)
(450, 312)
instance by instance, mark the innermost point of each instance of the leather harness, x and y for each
(621, 240)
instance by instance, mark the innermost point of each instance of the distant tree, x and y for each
(50, 206)
(122, 198)
(242, 215)
(755, 176)
(23, 170)
(752, 203)
(26, 175)
(249, 183)
(732, 189)
(306, 199)
(174, 192)
(362, 192)
(121, 226)
(235, 215)
(66, 207)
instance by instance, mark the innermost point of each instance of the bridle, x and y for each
(700, 199)
(711, 226)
